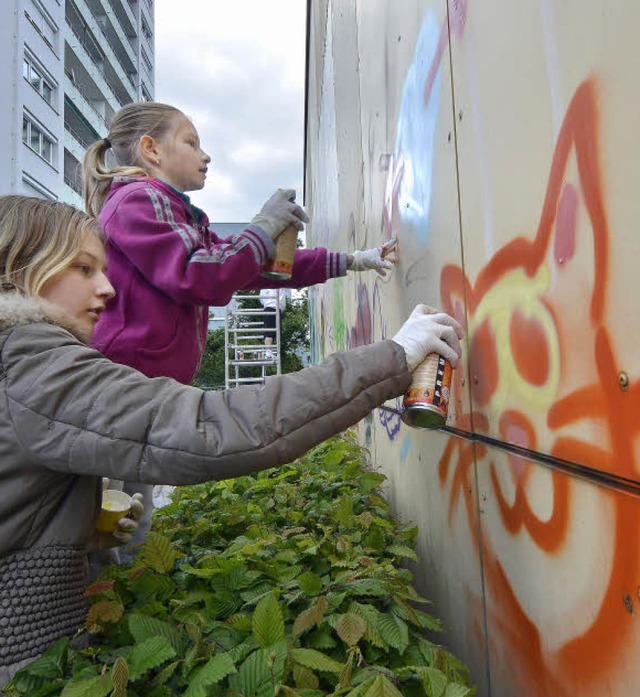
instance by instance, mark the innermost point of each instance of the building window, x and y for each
(38, 141)
(35, 77)
(45, 27)
(145, 96)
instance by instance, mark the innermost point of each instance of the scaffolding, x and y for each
(247, 358)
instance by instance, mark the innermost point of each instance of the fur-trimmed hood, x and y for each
(17, 310)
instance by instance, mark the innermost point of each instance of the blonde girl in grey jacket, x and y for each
(68, 416)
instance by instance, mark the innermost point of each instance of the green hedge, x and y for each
(289, 582)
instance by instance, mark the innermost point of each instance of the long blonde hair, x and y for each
(38, 239)
(127, 127)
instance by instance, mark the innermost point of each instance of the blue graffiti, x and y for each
(404, 448)
(390, 419)
(416, 130)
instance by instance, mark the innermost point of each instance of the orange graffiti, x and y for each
(513, 635)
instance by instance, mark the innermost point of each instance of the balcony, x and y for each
(85, 27)
(80, 61)
(82, 101)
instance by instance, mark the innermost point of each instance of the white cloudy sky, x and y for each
(237, 68)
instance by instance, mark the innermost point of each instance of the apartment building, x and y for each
(66, 66)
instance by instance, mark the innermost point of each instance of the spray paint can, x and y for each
(280, 267)
(427, 399)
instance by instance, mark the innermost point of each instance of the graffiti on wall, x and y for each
(543, 367)
(543, 371)
(544, 376)
(410, 179)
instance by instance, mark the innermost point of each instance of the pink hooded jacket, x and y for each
(167, 268)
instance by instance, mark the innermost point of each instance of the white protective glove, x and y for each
(127, 526)
(280, 211)
(379, 259)
(429, 331)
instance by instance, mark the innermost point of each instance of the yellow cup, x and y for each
(115, 505)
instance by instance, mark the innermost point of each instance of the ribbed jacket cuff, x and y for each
(336, 264)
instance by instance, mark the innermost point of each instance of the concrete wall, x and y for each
(498, 140)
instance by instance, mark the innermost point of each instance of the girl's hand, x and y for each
(378, 259)
(280, 211)
(127, 526)
(429, 331)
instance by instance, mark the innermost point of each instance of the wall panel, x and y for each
(498, 141)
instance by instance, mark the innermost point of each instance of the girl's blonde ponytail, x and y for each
(127, 127)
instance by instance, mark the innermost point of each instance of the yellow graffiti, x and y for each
(518, 291)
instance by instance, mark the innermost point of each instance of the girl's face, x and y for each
(82, 289)
(183, 163)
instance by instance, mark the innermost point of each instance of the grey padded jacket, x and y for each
(69, 416)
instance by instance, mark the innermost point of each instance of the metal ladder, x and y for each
(244, 347)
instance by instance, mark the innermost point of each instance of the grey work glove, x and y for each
(280, 211)
(429, 331)
(378, 259)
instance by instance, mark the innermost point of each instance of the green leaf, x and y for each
(312, 615)
(158, 553)
(368, 586)
(321, 638)
(120, 677)
(303, 677)
(434, 681)
(200, 573)
(149, 654)
(370, 615)
(253, 678)
(456, 690)
(310, 658)
(102, 612)
(334, 456)
(347, 669)
(223, 604)
(287, 692)
(370, 481)
(165, 673)
(268, 623)
(382, 687)
(344, 510)
(100, 686)
(403, 552)
(429, 621)
(241, 651)
(143, 628)
(50, 664)
(361, 690)
(335, 600)
(310, 583)
(350, 628)
(394, 631)
(215, 670)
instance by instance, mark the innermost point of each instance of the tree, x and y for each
(211, 371)
(294, 340)
(294, 334)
